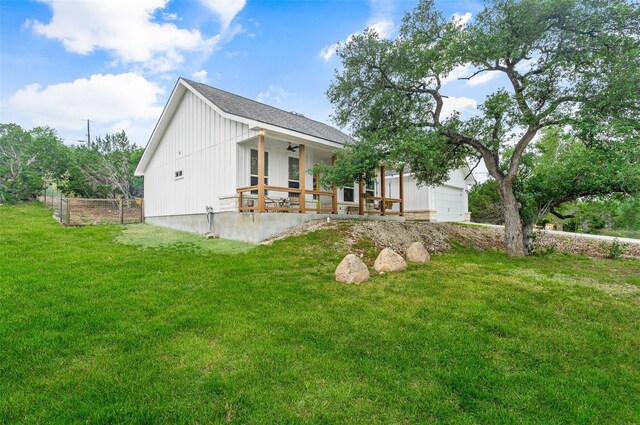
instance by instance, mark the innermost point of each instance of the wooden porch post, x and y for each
(317, 189)
(334, 190)
(383, 204)
(401, 186)
(360, 197)
(261, 171)
(301, 179)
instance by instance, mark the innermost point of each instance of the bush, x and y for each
(485, 204)
(615, 250)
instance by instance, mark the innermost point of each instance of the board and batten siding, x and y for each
(420, 198)
(203, 145)
(278, 171)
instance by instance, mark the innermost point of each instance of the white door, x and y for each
(449, 204)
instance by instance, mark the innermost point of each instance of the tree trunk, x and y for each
(513, 232)
(528, 237)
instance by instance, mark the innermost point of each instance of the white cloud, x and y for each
(459, 104)
(483, 78)
(457, 73)
(465, 71)
(274, 94)
(384, 27)
(225, 9)
(109, 100)
(462, 20)
(329, 51)
(170, 16)
(200, 76)
(381, 21)
(125, 28)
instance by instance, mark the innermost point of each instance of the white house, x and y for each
(218, 162)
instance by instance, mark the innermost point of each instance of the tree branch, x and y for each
(514, 162)
(473, 168)
(559, 215)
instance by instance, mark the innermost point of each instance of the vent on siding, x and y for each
(178, 174)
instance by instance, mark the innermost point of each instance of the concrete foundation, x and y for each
(249, 227)
(195, 223)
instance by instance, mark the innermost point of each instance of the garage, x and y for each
(449, 204)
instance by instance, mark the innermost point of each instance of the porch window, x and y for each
(348, 194)
(294, 176)
(254, 170)
(370, 188)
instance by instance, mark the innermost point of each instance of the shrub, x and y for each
(615, 250)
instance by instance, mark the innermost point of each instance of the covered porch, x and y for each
(280, 181)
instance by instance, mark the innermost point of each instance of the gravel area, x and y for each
(438, 237)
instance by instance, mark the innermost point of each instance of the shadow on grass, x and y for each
(148, 236)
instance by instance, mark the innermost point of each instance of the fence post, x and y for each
(68, 210)
(141, 210)
(121, 211)
(60, 214)
(45, 196)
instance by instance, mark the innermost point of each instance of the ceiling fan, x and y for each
(292, 148)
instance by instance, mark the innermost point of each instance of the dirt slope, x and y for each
(438, 237)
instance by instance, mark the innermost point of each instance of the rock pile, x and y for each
(352, 270)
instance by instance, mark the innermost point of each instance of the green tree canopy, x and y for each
(105, 169)
(570, 64)
(29, 160)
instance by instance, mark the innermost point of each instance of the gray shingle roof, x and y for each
(247, 108)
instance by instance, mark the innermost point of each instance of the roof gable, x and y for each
(243, 110)
(253, 110)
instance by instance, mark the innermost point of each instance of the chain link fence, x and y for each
(85, 211)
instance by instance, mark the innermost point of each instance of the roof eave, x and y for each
(169, 110)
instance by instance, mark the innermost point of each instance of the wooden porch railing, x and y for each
(286, 199)
(383, 206)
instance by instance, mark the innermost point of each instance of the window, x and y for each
(294, 175)
(370, 187)
(348, 194)
(253, 177)
(178, 174)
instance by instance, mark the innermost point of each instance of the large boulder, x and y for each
(389, 261)
(352, 270)
(417, 253)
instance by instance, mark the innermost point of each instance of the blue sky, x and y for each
(115, 62)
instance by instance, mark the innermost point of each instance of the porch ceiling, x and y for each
(273, 138)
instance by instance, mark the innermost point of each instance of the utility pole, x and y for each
(88, 135)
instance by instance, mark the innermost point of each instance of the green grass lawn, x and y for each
(112, 324)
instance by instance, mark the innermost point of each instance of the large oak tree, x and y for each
(568, 64)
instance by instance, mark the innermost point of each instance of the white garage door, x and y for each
(449, 204)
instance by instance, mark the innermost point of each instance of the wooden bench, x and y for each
(352, 209)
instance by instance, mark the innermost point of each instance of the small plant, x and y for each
(544, 250)
(615, 250)
(538, 248)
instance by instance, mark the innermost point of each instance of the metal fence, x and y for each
(84, 211)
